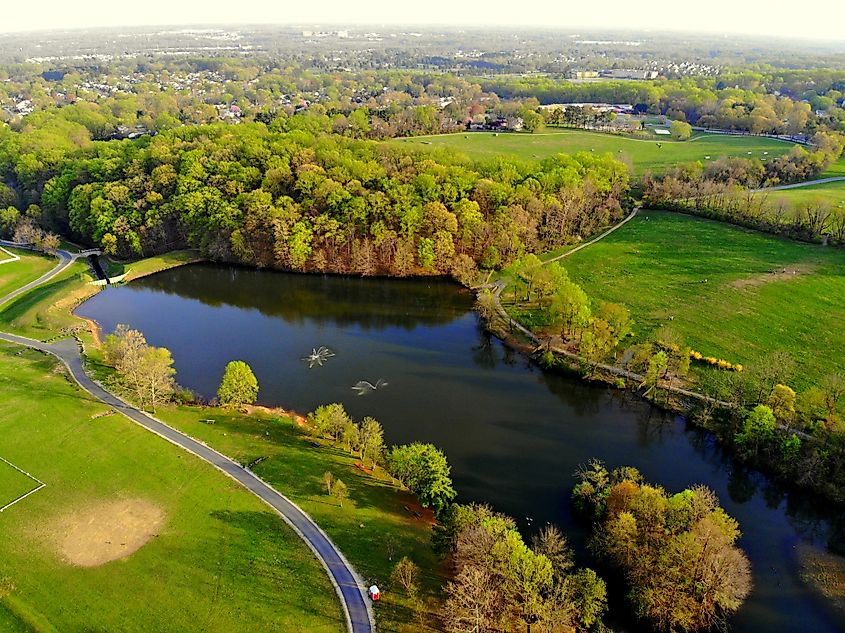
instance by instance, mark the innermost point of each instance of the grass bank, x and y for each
(28, 268)
(374, 528)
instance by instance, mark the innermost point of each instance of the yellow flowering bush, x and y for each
(715, 362)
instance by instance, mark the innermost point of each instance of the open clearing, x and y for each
(29, 268)
(221, 561)
(731, 293)
(106, 531)
(644, 155)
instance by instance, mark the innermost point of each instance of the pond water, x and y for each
(513, 433)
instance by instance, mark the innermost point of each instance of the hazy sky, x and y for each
(817, 19)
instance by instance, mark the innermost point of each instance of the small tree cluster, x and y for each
(335, 488)
(145, 370)
(595, 331)
(502, 584)
(364, 439)
(678, 552)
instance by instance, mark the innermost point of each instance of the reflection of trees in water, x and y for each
(488, 351)
(583, 398)
(484, 351)
(653, 425)
(742, 484)
(368, 303)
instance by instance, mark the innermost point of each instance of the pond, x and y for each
(514, 434)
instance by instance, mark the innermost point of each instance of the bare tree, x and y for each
(474, 603)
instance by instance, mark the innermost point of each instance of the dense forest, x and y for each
(294, 196)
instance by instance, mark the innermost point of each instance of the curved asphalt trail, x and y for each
(349, 586)
(798, 185)
(65, 260)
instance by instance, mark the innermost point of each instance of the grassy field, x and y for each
(732, 293)
(208, 555)
(831, 194)
(45, 311)
(837, 169)
(643, 155)
(372, 527)
(29, 268)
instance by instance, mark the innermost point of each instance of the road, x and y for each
(65, 260)
(349, 586)
(798, 185)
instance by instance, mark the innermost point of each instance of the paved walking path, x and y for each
(348, 584)
(65, 260)
(798, 185)
(630, 217)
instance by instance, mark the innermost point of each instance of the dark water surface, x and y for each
(513, 433)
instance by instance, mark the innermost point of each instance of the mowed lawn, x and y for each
(831, 194)
(29, 268)
(837, 169)
(644, 155)
(373, 528)
(215, 558)
(732, 293)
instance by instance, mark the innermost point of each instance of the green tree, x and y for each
(782, 403)
(757, 431)
(371, 441)
(424, 470)
(570, 307)
(681, 130)
(328, 481)
(340, 491)
(330, 420)
(658, 365)
(239, 385)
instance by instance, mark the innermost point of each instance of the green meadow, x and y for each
(131, 533)
(29, 268)
(831, 194)
(731, 293)
(643, 155)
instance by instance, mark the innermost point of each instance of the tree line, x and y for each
(719, 189)
(294, 196)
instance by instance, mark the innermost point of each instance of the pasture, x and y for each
(132, 533)
(643, 155)
(731, 293)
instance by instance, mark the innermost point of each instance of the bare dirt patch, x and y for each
(777, 274)
(97, 534)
